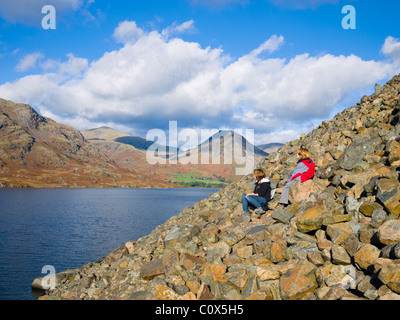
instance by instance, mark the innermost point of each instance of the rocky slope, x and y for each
(339, 238)
(36, 151)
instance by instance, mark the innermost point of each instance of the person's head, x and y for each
(259, 174)
(304, 153)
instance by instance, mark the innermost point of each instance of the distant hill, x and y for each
(270, 147)
(143, 144)
(109, 134)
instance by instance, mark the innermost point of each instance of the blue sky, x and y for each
(279, 67)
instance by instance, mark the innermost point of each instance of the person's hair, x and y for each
(259, 174)
(304, 153)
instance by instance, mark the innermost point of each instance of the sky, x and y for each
(278, 67)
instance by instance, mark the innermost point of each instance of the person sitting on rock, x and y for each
(261, 195)
(305, 170)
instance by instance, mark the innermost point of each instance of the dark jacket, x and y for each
(263, 189)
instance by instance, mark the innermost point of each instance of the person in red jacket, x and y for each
(305, 170)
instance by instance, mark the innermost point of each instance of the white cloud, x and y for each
(271, 45)
(391, 47)
(29, 61)
(30, 12)
(152, 80)
(74, 66)
(127, 32)
(175, 29)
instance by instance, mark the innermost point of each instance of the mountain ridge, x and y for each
(130, 153)
(36, 151)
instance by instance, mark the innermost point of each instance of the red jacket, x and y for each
(305, 169)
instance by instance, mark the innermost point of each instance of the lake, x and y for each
(68, 228)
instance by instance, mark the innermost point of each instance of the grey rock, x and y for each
(282, 215)
(180, 234)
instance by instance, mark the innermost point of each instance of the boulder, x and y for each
(204, 293)
(298, 282)
(276, 251)
(302, 191)
(391, 200)
(116, 254)
(366, 256)
(152, 269)
(333, 275)
(282, 215)
(390, 275)
(368, 207)
(378, 217)
(164, 292)
(218, 250)
(339, 232)
(340, 255)
(352, 157)
(238, 278)
(180, 234)
(394, 153)
(268, 272)
(389, 232)
(310, 220)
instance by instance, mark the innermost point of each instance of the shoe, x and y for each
(259, 211)
(284, 205)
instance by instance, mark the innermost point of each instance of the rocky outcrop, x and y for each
(338, 239)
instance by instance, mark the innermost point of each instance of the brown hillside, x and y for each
(36, 151)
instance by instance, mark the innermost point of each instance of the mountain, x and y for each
(224, 147)
(36, 151)
(338, 239)
(130, 153)
(229, 141)
(270, 147)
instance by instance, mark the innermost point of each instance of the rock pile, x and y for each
(339, 238)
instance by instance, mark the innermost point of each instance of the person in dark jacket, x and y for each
(305, 170)
(261, 195)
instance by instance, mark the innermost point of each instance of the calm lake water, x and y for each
(68, 228)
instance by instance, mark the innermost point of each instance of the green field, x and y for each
(191, 180)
